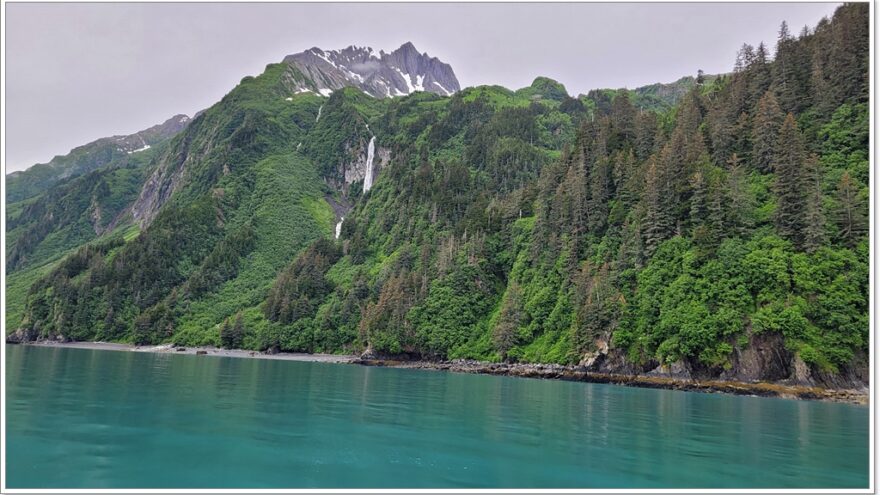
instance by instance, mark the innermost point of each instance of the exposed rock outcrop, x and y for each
(398, 73)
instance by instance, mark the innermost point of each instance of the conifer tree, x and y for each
(739, 200)
(659, 223)
(645, 132)
(791, 71)
(623, 116)
(759, 74)
(791, 184)
(765, 131)
(699, 199)
(629, 183)
(599, 181)
(814, 220)
(850, 215)
(505, 333)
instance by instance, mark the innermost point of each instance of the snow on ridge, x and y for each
(146, 147)
(407, 79)
(444, 89)
(323, 55)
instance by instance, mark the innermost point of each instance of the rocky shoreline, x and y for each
(580, 374)
(199, 351)
(522, 370)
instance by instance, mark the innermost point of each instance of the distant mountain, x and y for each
(657, 97)
(84, 159)
(544, 88)
(398, 73)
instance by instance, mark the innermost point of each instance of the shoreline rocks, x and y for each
(654, 379)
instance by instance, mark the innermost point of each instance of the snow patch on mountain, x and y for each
(398, 73)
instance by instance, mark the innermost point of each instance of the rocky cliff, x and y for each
(381, 75)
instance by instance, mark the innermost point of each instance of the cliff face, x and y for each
(355, 169)
(764, 359)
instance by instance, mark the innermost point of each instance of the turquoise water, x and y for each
(102, 419)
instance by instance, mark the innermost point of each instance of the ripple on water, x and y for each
(102, 419)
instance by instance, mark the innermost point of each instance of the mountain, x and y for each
(83, 159)
(657, 97)
(544, 88)
(398, 73)
(720, 235)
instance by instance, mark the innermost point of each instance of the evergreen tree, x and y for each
(600, 182)
(740, 202)
(504, 334)
(659, 224)
(759, 74)
(231, 336)
(645, 132)
(791, 71)
(765, 131)
(598, 309)
(814, 220)
(623, 116)
(791, 184)
(850, 214)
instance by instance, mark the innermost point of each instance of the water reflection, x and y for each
(119, 419)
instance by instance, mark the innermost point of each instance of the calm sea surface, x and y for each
(80, 418)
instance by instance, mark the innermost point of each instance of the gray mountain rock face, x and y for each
(381, 75)
(147, 137)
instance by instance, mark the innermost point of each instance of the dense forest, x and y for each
(721, 229)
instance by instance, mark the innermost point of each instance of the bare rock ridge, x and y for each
(143, 139)
(381, 75)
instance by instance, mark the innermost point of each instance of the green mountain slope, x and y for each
(84, 159)
(722, 232)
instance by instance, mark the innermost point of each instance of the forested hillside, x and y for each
(718, 233)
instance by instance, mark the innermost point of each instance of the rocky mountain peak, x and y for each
(399, 73)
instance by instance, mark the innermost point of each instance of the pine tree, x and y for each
(599, 183)
(742, 140)
(645, 132)
(739, 200)
(791, 71)
(231, 335)
(629, 182)
(720, 122)
(659, 224)
(850, 214)
(504, 335)
(791, 184)
(623, 116)
(598, 308)
(814, 220)
(759, 74)
(765, 131)
(699, 199)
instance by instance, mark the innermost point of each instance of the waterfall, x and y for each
(319, 113)
(368, 178)
(339, 227)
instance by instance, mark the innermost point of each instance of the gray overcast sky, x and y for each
(77, 72)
